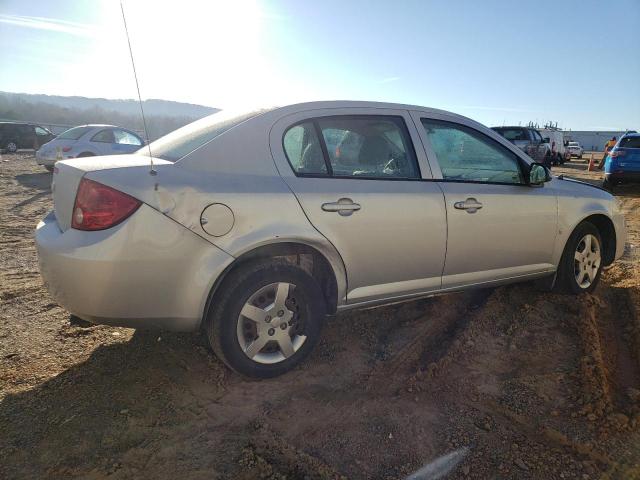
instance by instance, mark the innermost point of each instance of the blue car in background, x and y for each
(623, 162)
(88, 141)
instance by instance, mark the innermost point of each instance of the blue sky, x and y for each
(574, 62)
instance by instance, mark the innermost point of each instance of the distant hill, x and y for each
(162, 116)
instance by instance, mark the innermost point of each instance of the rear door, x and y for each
(359, 180)
(498, 226)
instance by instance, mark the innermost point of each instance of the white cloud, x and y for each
(51, 24)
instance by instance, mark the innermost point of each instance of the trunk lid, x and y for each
(68, 173)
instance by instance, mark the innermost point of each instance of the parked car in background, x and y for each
(253, 226)
(18, 135)
(575, 149)
(530, 141)
(88, 141)
(623, 162)
(555, 139)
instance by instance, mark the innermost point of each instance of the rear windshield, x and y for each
(74, 133)
(630, 142)
(181, 142)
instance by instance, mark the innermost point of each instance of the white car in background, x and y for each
(88, 141)
(575, 149)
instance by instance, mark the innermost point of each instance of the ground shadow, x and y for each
(41, 181)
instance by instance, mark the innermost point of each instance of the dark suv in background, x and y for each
(530, 141)
(16, 135)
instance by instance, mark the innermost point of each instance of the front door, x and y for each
(358, 179)
(499, 227)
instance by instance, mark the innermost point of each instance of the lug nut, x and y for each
(272, 332)
(284, 326)
(280, 313)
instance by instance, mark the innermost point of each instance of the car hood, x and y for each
(572, 186)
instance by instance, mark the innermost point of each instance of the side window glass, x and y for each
(104, 136)
(369, 146)
(125, 138)
(303, 150)
(465, 154)
(41, 131)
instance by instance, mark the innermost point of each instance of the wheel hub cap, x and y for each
(269, 325)
(587, 259)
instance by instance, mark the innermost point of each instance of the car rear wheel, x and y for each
(581, 263)
(11, 147)
(86, 154)
(266, 319)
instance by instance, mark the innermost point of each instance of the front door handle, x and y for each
(471, 205)
(344, 207)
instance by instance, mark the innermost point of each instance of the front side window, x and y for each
(303, 149)
(125, 138)
(104, 136)
(74, 133)
(464, 154)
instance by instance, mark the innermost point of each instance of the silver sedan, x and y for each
(254, 226)
(88, 141)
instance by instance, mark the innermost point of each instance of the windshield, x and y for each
(629, 142)
(181, 142)
(74, 133)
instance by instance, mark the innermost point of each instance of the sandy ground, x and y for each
(525, 384)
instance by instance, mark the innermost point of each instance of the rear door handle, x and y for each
(344, 207)
(471, 205)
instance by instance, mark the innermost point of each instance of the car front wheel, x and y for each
(581, 263)
(11, 147)
(266, 319)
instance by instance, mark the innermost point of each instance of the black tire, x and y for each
(566, 281)
(11, 147)
(86, 154)
(221, 323)
(547, 160)
(607, 185)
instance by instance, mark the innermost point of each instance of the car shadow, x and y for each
(107, 404)
(40, 181)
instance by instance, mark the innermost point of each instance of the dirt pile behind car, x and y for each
(535, 385)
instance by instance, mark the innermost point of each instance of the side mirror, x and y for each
(538, 174)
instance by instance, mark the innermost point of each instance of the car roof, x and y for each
(630, 135)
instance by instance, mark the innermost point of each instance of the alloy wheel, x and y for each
(269, 327)
(587, 259)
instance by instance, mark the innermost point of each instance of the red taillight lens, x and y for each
(66, 149)
(98, 207)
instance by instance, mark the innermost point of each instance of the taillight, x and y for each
(616, 153)
(98, 207)
(66, 149)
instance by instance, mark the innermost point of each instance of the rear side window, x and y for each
(512, 134)
(104, 136)
(123, 137)
(358, 146)
(466, 155)
(181, 142)
(74, 133)
(630, 142)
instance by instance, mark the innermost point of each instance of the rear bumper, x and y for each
(625, 177)
(147, 272)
